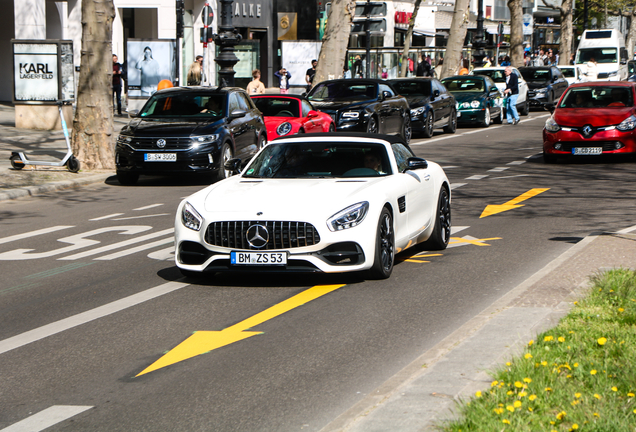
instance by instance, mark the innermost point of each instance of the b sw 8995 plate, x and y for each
(592, 151)
(258, 258)
(160, 157)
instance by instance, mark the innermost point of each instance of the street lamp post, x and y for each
(479, 43)
(227, 38)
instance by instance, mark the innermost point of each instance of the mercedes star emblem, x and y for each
(161, 143)
(257, 236)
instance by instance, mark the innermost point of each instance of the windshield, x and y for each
(568, 72)
(185, 105)
(329, 91)
(412, 88)
(464, 85)
(540, 75)
(497, 76)
(600, 55)
(277, 107)
(319, 160)
(598, 96)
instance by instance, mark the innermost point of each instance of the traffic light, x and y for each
(180, 10)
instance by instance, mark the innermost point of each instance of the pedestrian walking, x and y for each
(311, 72)
(512, 93)
(256, 86)
(423, 67)
(195, 72)
(283, 80)
(118, 74)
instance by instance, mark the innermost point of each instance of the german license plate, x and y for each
(160, 157)
(258, 258)
(587, 150)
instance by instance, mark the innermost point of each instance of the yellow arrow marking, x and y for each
(476, 242)
(415, 258)
(512, 204)
(202, 342)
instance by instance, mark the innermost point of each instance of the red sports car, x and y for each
(291, 114)
(592, 118)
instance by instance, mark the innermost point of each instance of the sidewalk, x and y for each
(423, 393)
(38, 145)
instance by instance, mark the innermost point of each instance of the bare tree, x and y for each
(92, 134)
(631, 33)
(407, 40)
(565, 46)
(516, 32)
(459, 26)
(336, 39)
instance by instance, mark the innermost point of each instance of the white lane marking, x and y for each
(457, 185)
(46, 418)
(106, 217)
(142, 217)
(516, 162)
(147, 207)
(166, 254)
(33, 233)
(136, 249)
(476, 177)
(456, 229)
(627, 230)
(498, 169)
(432, 140)
(512, 176)
(118, 245)
(88, 316)
(449, 167)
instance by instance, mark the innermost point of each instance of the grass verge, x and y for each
(578, 376)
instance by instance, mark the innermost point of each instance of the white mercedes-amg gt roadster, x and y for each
(337, 202)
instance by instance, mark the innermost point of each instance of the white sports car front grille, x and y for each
(280, 235)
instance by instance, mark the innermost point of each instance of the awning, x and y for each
(422, 32)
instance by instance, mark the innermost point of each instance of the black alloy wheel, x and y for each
(452, 123)
(372, 126)
(428, 125)
(441, 231)
(332, 128)
(225, 155)
(406, 129)
(384, 247)
(262, 142)
(486, 121)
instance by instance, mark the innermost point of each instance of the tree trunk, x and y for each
(459, 25)
(565, 47)
(92, 135)
(336, 40)
(407, 41)
(516, 32)
(631, 35)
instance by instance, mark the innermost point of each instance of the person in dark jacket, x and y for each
(118, 74)
(512, 93)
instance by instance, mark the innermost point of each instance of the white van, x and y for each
(607, 48)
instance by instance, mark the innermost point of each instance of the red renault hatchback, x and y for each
(592, 118)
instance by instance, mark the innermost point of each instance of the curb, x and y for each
(12, 194)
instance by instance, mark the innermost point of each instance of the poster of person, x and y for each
(147, 63)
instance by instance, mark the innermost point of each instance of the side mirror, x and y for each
(237, 114)
(133, 113)
(494, 89)
(385, 95)
(233, 165)
(623, 61)
(416, 163)
(312, 113)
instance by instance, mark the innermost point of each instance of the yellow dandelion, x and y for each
(510, 392)
(530, 343)
(621, 310)
(507, 363)
(560, 415)
(518, 384)
(575, 365)
(597, 396)
(532, 397)
(548, 338)
(506, 421)
(544, 363)
(530, 409)
(548, 389)
(614, 389)
(577, 395)
(527, 380)
(602, 341)
(630, 394)
(596, 415)
(494, 383)
(510, 408)
(593, 372)
(528, 356)
(575, 426)
(522, 394)
(478, 393)
(517, 404)
(576, 302)
(574, 402)
(561, 339)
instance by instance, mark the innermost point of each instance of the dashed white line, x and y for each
(457, 185)
(46, 418)
(476, 177)
(147, 207)
(498, 169)
(88, 316)
(516, 162)
(106, 217)
(142, 217)
(512, 176)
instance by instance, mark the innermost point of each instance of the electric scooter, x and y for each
(19, 159)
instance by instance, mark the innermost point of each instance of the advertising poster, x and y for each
(35, 70)
(297, 57)
(147, 63)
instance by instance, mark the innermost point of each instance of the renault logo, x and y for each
(587, 130)
(161, 143)
(257, 236)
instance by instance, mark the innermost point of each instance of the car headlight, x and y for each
(124, 138)
(628, 124)
(475, 104)
(198, 140)
(465, 105)
(350, 115)
(284, 128)
(540, 90)
(456, 105)
(190, 217)
(417, 111)
(551, 125)
(349, 217)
